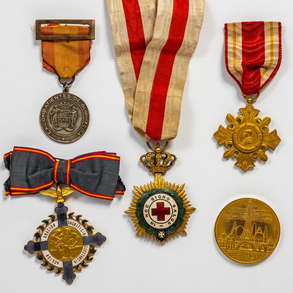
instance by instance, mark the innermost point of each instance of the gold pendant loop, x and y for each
(250, 100)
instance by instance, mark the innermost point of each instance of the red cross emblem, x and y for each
(160, 211)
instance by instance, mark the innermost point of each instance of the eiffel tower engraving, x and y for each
(246, 236)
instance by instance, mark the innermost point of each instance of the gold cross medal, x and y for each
(253, 57)
(64, 242)
(153, 74)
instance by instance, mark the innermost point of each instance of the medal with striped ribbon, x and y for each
(64, 243)
(253, 53)
(65, 51)
(153, 46)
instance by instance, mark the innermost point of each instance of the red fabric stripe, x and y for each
(164, 69)
(102, 157)
(7, 155)
(55, 172)
(253, 56)
(14, 193)
(135, 33)
(67, 175)
(31, 189)
(92, 194)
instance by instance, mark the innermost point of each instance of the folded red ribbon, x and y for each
(253, 53)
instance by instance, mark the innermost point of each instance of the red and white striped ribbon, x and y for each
(153, 45)
(253, 53)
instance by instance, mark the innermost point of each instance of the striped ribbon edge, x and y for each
(67, 175)
(34, 151)
(9, 154)
(67, 171)
(92, 194)
(55, 171)
(226, 56)
(236, 71)
(119, 192)
(16, 190)
(95, 156)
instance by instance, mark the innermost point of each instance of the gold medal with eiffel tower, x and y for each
(159, 210)
(247, 230)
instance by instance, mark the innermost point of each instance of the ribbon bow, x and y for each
(94, 174)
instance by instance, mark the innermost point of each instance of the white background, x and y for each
(126, 263)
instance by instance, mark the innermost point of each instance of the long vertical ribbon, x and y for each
(253, 53)
(153, 45)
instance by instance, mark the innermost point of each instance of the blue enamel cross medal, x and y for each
(159, 210)
(64, 243)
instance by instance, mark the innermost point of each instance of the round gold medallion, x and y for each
(65, 243)
(247, 137)
(247, 230)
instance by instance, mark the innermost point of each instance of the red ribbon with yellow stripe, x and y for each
(253, 53)
(153, 45)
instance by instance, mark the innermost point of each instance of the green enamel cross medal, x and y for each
(153, 80)
(64, 243)
(159, 210)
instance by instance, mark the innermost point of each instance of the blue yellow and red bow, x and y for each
(94, 174)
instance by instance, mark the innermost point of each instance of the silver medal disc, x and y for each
(64, 117)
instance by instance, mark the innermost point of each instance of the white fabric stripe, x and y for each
(149, 66)
(122, 51)
(229, 48)
(148, 16)
(235, 70)
(180, 69)
(267, 48)
(270, 65)
(239, 69)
